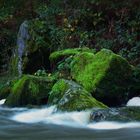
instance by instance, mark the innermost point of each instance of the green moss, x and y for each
(19, 84)
(70, 96)
(57, 55)
(6, 83)
(79, 63)
(57, 92)
(4, 91)
(106, 76)
(14, 65)
(33, 87)
(31, 90)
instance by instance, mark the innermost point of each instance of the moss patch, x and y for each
(64, 66)
(70, 96)
(6, 83)
(80, 62)
(4, 91)
(59, 55)
(14, 65)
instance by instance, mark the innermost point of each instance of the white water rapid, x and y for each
(72, 119)
(134, 102)
(2, 101)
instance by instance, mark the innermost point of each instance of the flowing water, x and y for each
(45, 124)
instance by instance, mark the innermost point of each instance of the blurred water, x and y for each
(60, 126)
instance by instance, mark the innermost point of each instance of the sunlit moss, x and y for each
(67, 52)
(80, 62)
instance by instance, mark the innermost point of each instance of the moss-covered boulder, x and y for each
(30, 90)
(69, 96)
(106, 75)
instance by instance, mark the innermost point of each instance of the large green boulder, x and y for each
(69, 96)
(106, 75)
(30, 90)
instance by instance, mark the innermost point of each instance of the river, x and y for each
(44, 124)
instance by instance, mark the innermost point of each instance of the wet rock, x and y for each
(123, 114)
(69, 96)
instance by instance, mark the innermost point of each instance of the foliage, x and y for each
(95, 24)
(61, 24)
(12, 14)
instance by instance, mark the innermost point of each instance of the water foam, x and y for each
(48, 115)
(34, 115)
(2, 101)
(72, 119)
(113, 125)
(134, 102)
